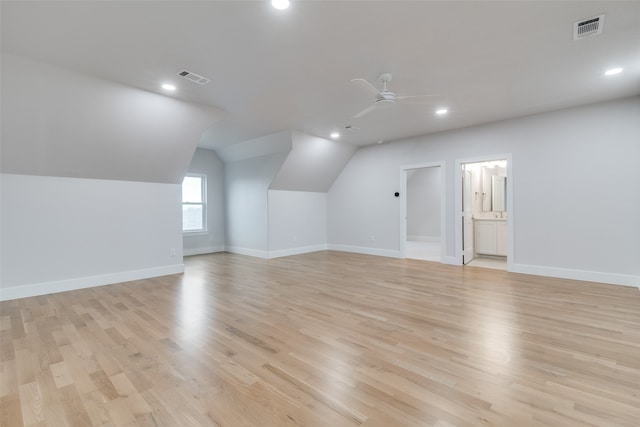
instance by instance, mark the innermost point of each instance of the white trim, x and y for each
(195, 233)
(449, 260)
(204, 250)
(247, 251)
(429, 239)
(45, 288)
(297, 251)
(584, 275)
(364, 250)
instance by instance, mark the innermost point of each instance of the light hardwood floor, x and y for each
(324, 339)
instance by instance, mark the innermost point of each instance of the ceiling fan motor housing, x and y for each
(386, 100)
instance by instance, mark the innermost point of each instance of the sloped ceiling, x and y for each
(313, 164)
(273, 70)
(279, 142)
(58, 122)
(309, 163)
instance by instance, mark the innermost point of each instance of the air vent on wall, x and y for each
(196, 78)
(588, 27)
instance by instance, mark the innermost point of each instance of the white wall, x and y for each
(362, 211)
(276, 202)
(66, 233)
(208, 163)
(423, 204)
(575, 180)
(105, 222)
(297, 222)
(247, 216)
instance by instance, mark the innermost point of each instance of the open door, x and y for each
(467, 218)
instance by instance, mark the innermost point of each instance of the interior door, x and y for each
(467, 218)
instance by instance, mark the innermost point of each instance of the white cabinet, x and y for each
(485, 237)
(490, 237)
(501, 238)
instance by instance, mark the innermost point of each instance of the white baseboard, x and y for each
(364, 250)
(46, 288)
(297, 251)
(275, 254)
(201, 251)
(566, 273)
(430, 239)
(249, 252)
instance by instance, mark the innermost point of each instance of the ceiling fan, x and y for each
(382, 98)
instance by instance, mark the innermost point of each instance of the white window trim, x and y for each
(204, 231)
(195, 233)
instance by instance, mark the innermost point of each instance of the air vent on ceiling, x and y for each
(196, 78)
(588, 27)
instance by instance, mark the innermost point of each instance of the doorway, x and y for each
(422, 212)
(485, 216)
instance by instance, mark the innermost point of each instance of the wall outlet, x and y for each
(172, 252)
(373, 238)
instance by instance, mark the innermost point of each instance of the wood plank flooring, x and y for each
(324, 339)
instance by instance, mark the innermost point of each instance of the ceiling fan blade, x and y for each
(416, 96)
(412, 102)
(365, 85)
(365, 111)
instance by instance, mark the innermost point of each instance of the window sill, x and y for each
(194, 233)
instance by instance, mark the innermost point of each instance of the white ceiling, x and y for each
(276, 70)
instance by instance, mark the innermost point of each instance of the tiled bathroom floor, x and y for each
(497, 263)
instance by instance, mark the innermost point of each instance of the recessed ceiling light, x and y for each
(334, 135)
(613, 71)
(280, 4)
(168, 86)
(442, 111)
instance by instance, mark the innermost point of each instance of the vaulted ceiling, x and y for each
(276, 70)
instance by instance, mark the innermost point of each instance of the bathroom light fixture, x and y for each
(280, 4)
(613, 71)
(441, 111)
(168, 86)
(335, 135)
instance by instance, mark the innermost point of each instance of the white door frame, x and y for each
(443, 205)
(458, 203)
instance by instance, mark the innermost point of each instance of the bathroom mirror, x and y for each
(494, 189)
(498, 193)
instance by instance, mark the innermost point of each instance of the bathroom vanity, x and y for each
(490, 236)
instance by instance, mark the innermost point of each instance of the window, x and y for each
(194, 203)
